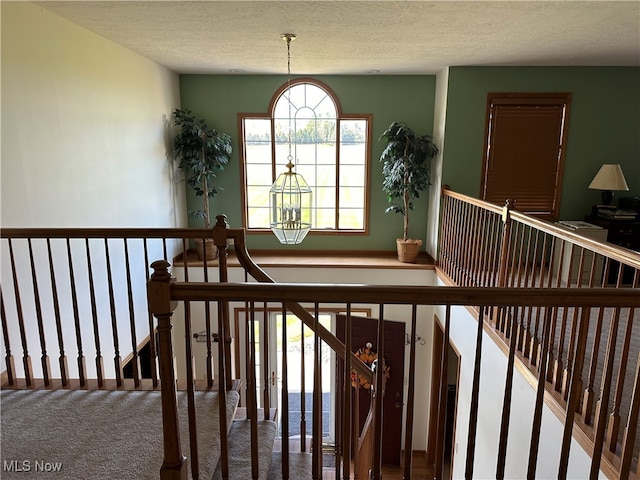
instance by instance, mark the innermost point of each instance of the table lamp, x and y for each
(609, 178)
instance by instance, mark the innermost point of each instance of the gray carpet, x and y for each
(240, 450)
(299, 466)
(99, 434)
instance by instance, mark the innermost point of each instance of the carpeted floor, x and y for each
(299, 466)
(240, 450)
(98, 434)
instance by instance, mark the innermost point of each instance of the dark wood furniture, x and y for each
(625, 233)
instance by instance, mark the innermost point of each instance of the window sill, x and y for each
(312, 259)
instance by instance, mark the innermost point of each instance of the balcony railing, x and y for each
(79, 294)
(485, 245)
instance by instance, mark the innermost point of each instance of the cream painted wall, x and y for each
(439, 123)
(84, 128)
(85, 135)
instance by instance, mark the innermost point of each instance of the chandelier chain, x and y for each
(288, 37)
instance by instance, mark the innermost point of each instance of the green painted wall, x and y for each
(218, 99)
(604, 125)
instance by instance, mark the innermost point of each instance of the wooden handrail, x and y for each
(119, 233)
(403, 295)
(365, 446)
(614, 252)
(492, 207)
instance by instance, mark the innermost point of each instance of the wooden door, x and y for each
(524, 151)
(365, 330)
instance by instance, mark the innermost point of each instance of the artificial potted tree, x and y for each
(406, 165)
(202, 152)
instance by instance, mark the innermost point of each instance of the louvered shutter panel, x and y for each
(524, 155)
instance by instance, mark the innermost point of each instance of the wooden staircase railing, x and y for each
(253, 269)
(76, 294)
(487, 299)
(510, 249)
(63, 286)
(79, 295)
(222, 235)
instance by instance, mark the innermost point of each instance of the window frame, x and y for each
(340, 116)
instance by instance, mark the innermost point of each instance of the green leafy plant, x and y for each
(406, 165)
(202, 152)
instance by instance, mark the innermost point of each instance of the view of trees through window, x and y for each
(328, 149)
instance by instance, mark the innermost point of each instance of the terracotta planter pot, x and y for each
(206, 250)
(408, 250)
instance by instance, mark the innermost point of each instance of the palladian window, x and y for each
(328, 148)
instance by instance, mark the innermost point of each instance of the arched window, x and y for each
(329, 149)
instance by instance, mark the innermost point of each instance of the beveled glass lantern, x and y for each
(290, 197)
(290, 207)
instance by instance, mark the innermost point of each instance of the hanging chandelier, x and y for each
(290, 196)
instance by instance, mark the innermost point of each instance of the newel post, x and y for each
(174, 465)
(224, 327)
(505, 247)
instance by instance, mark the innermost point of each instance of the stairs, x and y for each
(299, 466)
(269, 461)
(240, 450)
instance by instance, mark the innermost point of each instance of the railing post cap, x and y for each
(220, 233)
(509, 205)
(158, 289)
(160, 270)
(221, 221)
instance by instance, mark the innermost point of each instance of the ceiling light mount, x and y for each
(288, 37)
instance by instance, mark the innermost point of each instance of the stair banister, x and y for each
(574, 393)
(630, 430)
(222, 232)
(256, 272)
(442, 397)
(285, 397)
(224, 342)
(316, 414)
(378, 394)
(220, 236)
(174, 463)
(408, 439)
(347, 420)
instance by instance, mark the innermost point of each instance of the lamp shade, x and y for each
(290, 207)
(609, 177)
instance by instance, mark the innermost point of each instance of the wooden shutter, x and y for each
(524, 151)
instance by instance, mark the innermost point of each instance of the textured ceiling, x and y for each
(357, 37)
